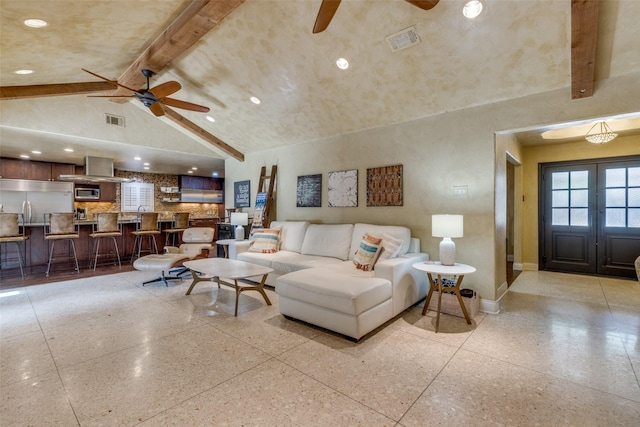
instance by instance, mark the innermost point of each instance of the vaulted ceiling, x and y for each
(266, 49)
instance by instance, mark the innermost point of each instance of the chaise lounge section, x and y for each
(318, 282)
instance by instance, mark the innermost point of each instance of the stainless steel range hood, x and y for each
(97, 169)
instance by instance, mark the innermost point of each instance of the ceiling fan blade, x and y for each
(184, 105)
(424, 4)
(325, 14)
(109, 96)
(107, 80)
(156, 109)
(165, 89)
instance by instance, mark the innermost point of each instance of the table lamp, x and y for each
(447, 227)
(239, 219)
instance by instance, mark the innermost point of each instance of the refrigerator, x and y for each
(35, 198)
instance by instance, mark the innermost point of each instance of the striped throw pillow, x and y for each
(265, 241)
(367, 252)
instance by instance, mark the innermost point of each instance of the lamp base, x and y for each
(447, 251)
(239, 232)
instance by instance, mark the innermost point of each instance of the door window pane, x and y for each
(634, 197)
(579, 217)
(580, 179)
(615, 217)
(560, 199)
(616, 177)
(615, 197)
(634, 177)
(634, 218)
(559, 180)
(559, 216)
(579, 198)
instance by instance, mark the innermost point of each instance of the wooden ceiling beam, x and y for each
(38, 91)
(196, 20)
(200, 132)
(584, 40)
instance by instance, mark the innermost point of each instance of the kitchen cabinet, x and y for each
(188, 182)
(108, 191)
(38, 171)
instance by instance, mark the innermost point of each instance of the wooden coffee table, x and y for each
(212, 269)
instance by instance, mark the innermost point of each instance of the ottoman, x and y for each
(351, 304)
(162, 263)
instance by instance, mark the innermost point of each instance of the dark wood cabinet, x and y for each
(187, 182)
(108, 191)
(39, 171)
(12, 168)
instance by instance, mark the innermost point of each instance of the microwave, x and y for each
(83, 193)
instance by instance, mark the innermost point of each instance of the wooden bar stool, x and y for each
(10, 233)
(105, 226)
(148, 227)
(180, 223)
(61, 226)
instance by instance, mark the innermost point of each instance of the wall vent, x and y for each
(403, 39)
(114, 120)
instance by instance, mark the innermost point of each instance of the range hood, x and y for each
(97, 169)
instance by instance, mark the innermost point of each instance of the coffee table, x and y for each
(215, 268)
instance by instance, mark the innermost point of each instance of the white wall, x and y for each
(438, 152)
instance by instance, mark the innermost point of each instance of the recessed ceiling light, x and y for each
(215, 174)
(194, 168)
(138, 158)
(255, 100)
(36, 152)
(342, 63)
(211, 119)
(146, 168)
(35, 23)
(145, 164)
(23, 72)
(69, 150)
(189, 171)
(472, 9)
(24, 156)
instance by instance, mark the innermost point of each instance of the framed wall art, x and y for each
(309, 191)
(343, 189)
(241, 194)
(384, 186)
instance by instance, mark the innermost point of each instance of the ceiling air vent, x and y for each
(114, 120)
(403, 39)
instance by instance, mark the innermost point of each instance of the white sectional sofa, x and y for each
(317, 281)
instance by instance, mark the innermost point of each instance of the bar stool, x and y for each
(60, 226)
(180, 223)
(105, 226)
(10, 233)
(147, 226)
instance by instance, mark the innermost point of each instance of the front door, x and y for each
(590, 216)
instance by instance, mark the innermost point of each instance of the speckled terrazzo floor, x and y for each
(564, 350)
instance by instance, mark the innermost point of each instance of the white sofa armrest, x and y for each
(409, 284)
(238, 247)
(171, 250)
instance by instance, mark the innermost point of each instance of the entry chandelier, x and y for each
(600, 135)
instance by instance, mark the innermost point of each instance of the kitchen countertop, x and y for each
(123, 220)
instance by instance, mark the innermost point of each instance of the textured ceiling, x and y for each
(266, 49)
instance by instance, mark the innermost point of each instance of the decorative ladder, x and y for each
(266, 213)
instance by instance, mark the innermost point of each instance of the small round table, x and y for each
(225, 245)
(434, 267)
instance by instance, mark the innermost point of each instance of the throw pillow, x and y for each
(265, 241)
(367, 252)
(390, 247)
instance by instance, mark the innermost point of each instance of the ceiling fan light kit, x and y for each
(601, 135)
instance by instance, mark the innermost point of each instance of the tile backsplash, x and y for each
(166, 209)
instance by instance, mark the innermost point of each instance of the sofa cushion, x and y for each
(401, 233)
(390, 247)
(326, 287)
(367, 252)
(331, 240)
(265, 241)
(291, 234)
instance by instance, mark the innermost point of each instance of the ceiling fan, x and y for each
(153, 97)
(328, 9)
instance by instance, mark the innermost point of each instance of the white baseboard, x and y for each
(502, 290)
(518, 266)
(529, 266)
(489, 306)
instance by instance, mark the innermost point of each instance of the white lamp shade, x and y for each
(447, 226)
(239, 218)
